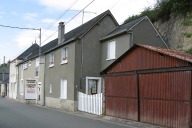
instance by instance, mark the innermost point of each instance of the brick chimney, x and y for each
(61, 32)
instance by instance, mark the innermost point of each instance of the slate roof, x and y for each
(123, 28)
(31, 50)
(75, 33)
(69, 36)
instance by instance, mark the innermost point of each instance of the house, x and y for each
(13, 75)
(123, 37)
(74, 60)
(150, 84)
(4, 79)
(25, 70)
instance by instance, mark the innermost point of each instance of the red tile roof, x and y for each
(170, 52)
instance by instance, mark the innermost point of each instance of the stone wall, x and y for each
(62, 104)
(172, 32)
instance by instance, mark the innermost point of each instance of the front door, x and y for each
(92, 88)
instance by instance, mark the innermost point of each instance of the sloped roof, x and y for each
(25, 55)
(71, 35)
(169, 52)
(123, 28)
(76, 33)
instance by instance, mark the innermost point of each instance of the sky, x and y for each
(46, 14)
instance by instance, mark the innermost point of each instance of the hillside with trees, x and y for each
(173, 19)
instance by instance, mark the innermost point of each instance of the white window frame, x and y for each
(37, 62)
(63, 89)
(64, 55)
(51, 59)
(50, 88)
(25, 66)
(37, 67)
(111, 50)
(98, 86)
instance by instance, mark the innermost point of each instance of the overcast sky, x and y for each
(46, 14)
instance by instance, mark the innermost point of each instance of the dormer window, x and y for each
(51, 60)
(64, 55)
(111, 50)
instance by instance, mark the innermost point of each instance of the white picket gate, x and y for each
(90, 103)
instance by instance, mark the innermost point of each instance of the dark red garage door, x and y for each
(163, 98)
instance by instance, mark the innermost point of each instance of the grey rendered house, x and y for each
(28, 70)
(14, 90)
(74, 59)
(123, 37)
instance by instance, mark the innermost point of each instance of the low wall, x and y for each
(61, 104)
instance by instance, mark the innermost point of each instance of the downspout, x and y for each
(18, 85)
(131, 43)
(44, 81)
(81, 63)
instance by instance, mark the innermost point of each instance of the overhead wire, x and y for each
(63, 14)
(14, 27)
(69, 20)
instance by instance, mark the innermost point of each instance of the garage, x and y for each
(150, 84)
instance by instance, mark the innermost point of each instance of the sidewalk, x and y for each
(128, 123)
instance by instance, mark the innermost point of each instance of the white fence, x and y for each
(90, 103)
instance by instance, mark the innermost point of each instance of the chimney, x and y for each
(61, 31)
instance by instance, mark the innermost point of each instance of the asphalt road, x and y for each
(14, 114)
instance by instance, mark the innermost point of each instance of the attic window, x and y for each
(111, 50)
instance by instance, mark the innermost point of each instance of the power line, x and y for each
(80, 11)
(63, 14)
(70, 20)
(6, 26)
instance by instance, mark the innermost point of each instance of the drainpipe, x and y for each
(44, 82)
(131, 43)
(81, 62)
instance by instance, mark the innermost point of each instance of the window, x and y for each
(63, 89)
(92, 89)
(50, 88)
(25, 66)
(37, 67)
(37, 62)
(36, 71)
(64, 55)
(51, 60)
(93, 85)
(111, 50)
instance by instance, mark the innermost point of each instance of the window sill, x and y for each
(36, 77)
(110, 59)
(51, 65)
(64, 62)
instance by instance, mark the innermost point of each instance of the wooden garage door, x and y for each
(121, 96)
(165, 98)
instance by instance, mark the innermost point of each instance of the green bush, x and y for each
(164, 8)
(189, 51)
